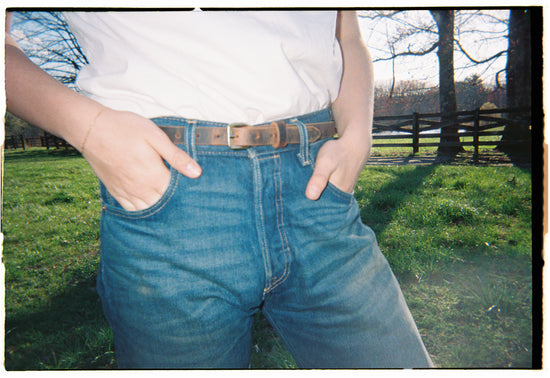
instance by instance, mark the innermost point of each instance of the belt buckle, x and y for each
(231, 136)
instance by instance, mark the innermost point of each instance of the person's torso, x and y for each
(220, 66)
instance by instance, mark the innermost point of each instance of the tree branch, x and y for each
(473, 60)
(410, 53)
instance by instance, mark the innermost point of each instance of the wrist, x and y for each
(357, 139)
(89, 130)
(81, 122)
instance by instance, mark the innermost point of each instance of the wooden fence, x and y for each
(473, 128)
(46, 140)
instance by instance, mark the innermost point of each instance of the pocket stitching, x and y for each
(339, 192)
(153, 209)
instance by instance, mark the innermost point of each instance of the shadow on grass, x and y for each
(68, 332)
(377, 207)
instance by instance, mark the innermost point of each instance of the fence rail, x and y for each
(46, 140)
(474, 127)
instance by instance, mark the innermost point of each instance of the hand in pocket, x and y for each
(127, 152)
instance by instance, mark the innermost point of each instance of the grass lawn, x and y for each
(458, 238)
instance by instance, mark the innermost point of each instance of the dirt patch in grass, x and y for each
(475, 313)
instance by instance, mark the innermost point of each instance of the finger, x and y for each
(132, 205)
(177, 158)
(137, 195)
(316, 186)
(319, 179)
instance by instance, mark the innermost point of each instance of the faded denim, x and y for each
(180, 282)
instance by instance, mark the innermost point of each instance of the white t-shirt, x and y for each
(252, 66)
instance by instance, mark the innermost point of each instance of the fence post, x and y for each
(416, 132)
(22, 141)
(476, 136)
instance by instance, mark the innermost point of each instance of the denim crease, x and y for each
(180, 281)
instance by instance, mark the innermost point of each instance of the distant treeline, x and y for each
(408, 97)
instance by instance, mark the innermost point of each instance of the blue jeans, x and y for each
(180, 282)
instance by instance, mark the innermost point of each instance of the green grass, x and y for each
(457, 237)
(51, 241)
(475, 313)
(424, 215)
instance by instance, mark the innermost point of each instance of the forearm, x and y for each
(38, 98)
(341, 161)
(353, 109)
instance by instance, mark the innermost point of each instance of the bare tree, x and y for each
(450, 141)
(479, 29)
(518, 83)
(47, 40)
(420, 36)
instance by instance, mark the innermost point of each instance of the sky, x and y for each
(481, 45)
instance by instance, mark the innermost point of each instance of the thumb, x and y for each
(177, 158)
(319, 179)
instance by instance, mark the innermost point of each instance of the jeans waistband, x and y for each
(322, 115)
(190, 125)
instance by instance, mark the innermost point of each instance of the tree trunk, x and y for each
(518, 81)
(449, 144)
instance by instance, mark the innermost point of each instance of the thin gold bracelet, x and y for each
(92, 124)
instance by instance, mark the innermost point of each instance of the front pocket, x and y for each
(331, 189)
(339, 192)
(111, 205)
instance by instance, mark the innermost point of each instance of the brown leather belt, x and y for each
(238, 136)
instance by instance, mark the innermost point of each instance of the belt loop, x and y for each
(190, 139)
(304, 156)
(281, 140)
